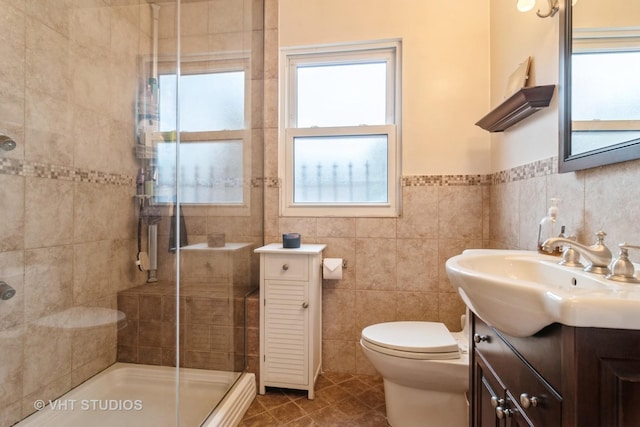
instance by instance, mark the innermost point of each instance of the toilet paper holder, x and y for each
(344, 263)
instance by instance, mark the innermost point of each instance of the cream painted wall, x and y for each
(514, 36)
(445, 70)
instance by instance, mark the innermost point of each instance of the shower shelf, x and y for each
(518, 106)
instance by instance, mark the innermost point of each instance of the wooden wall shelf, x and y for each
(521, 104)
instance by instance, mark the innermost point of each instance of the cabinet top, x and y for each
(276, 248)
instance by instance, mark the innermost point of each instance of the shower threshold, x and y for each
(127, 394)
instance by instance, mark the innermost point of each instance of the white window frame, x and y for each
(205, 64)
(355, 53)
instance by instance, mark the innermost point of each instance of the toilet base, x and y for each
(410, 407)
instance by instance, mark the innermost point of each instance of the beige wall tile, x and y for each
(336, 227)
(417, 265)
(48, 281)
(338, 316)
(376, 264)
(47, 352)
(376, 227)
(374, 307)
(48, 212)
(460, 212)
(11, 354)
(419, 213)
(338, 356)
(12, 273)
(418, 306)
(12, 212)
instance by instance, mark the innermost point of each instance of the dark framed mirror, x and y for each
(599, 83)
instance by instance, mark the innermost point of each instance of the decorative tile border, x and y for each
(42, 170)
(535, 169)
(444, 180)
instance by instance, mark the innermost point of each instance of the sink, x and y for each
(521, 292)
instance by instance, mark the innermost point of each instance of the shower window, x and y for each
(213, 137)
(340, 124)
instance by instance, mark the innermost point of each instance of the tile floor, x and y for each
(341, 400)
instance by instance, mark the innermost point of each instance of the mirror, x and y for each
(599, 90)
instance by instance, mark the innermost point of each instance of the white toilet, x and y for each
(425, 369)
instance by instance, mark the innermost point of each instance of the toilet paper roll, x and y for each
(332, 268)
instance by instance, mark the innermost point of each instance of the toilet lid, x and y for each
(412, 339)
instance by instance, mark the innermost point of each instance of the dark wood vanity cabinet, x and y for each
(562, 376)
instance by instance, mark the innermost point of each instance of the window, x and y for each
(212, 134)
(604, 108)
(339, 148)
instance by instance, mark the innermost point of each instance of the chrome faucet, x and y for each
(598, 255)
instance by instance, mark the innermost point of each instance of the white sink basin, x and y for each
(521, 292)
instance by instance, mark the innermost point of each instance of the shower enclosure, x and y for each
(131, 131)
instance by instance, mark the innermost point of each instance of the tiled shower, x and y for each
(68, 237)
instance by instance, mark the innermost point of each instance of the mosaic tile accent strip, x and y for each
(42, 170)
(538, 168)
(445, 180)
(535, 169)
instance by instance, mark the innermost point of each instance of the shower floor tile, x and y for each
(341, 400)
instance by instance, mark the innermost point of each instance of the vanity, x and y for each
(551, 345)
(561, 376)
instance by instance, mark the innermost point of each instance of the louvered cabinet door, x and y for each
(286, 340)
(290, 317)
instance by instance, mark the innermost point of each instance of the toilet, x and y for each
(425, 369)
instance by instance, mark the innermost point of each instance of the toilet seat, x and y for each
(411, 340)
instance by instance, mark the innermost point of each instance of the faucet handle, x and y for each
(600, 236)
(622, 268)
(571, 257)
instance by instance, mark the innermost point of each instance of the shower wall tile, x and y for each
(106, 357)
(96, 36)
(11, 344)
(48, 129)
(48, 281)
(225, 16)
(91, 79)
(50, 391)
(68, 234)
(55, 16)
(91, 278)
(191, 19)
(11, 272)
(102, 212)
(12, 73)
(47, 352)
(90, 153)
(51, 223)
(48, 70)
(12, 212)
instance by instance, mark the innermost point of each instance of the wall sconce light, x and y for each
(527, 5)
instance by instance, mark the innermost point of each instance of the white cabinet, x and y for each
(290, 316)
